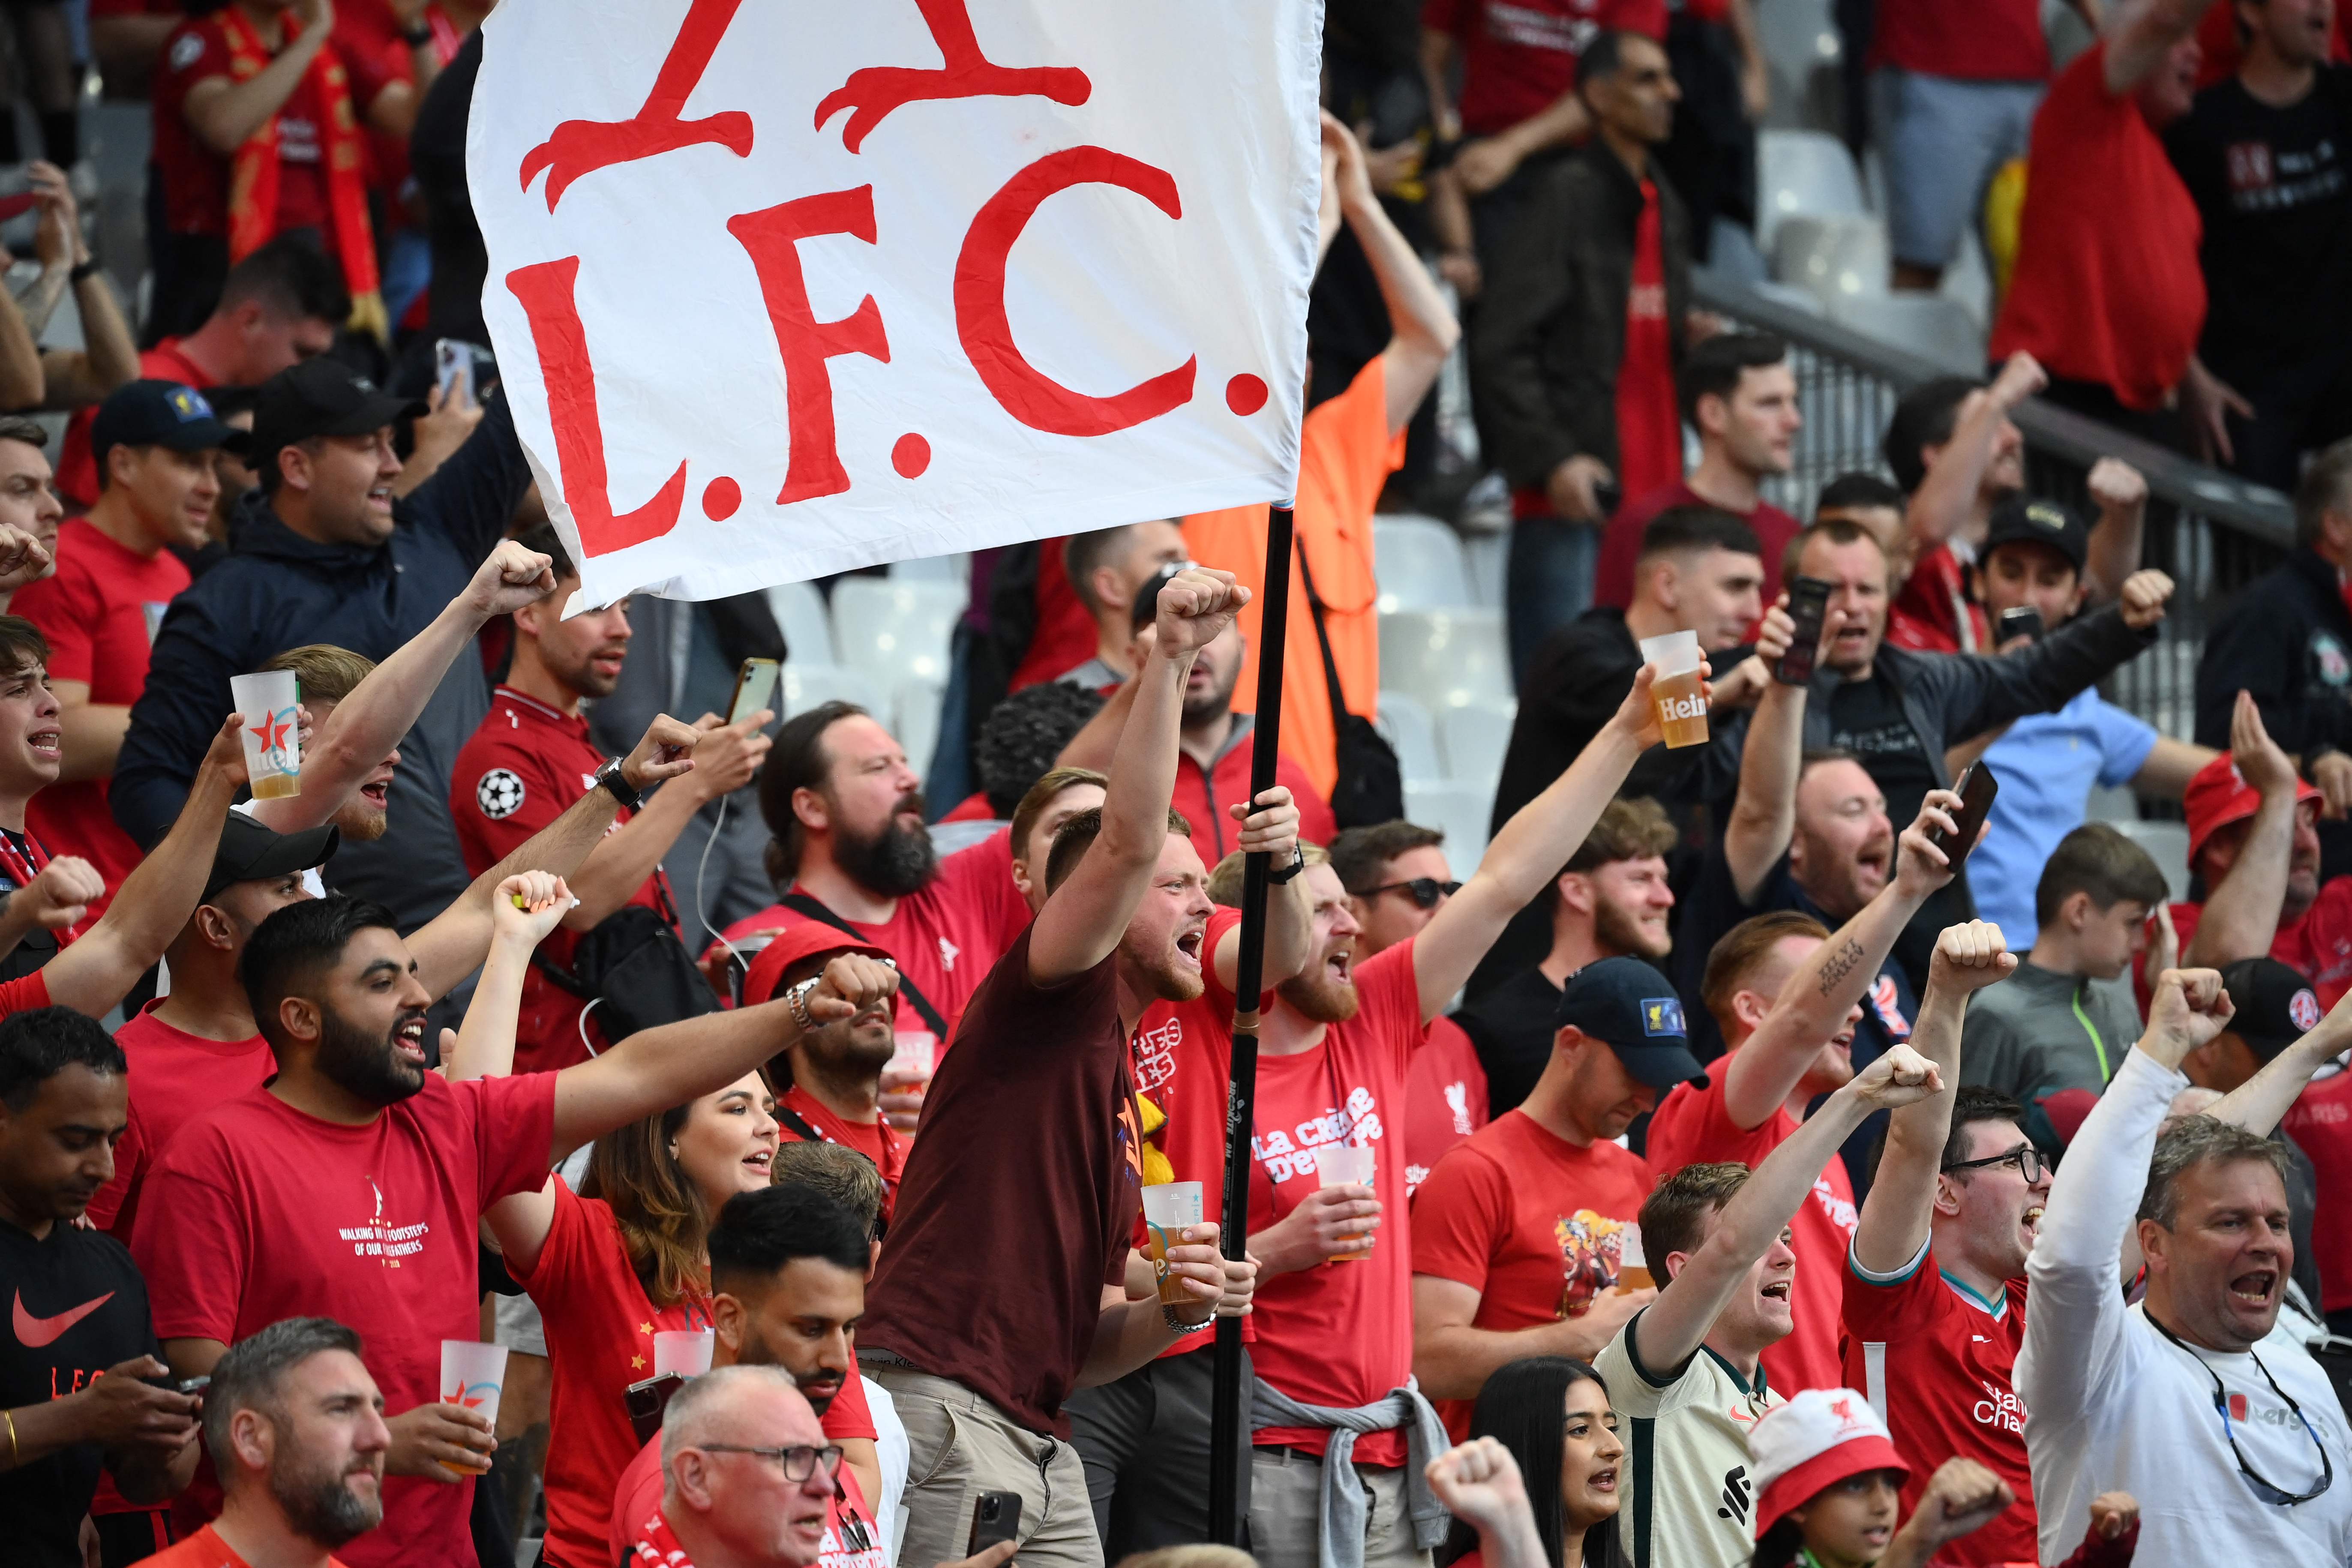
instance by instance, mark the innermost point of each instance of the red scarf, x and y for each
(254, 171)
(1649, 424)
(657, 1548)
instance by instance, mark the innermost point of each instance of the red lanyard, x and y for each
(24, 863)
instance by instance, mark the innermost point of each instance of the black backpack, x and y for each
(634, 973)
(1370, 787)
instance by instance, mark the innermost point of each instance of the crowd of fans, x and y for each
(1739, 1163)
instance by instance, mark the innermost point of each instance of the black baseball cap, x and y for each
(321, 397)
(1146, 608)
(159, 413)
(2275, 1005)
(1633, 1007)
(250, 852)
(2047, 522)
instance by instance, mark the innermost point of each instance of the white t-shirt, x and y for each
(2113, 1404)
(1691, 1499)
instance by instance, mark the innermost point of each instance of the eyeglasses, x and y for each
(798, 1462)
(1424, 891)
(2268, 1491)
(2025, 1157)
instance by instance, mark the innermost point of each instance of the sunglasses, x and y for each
(2025, 1157)
(1424, 891)
(2267, 1491)
(798, 1462)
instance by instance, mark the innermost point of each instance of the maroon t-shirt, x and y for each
(1051, 1209)
(1621, 542)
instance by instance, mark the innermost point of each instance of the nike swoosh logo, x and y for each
(33, 1332)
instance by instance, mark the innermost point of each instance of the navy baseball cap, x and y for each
(159, 413)
(1633, 1007)
(2275, 1005)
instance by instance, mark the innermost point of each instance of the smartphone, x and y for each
(996, 1516)
(755, 683)
(1977, 787)
(453, 372)
(1607, 497)
(193, 1384)
(2022, 621)
(1809, 606)
(646, 1401)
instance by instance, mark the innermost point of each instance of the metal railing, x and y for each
(2211, 531)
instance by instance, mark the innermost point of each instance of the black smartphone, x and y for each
(2020, 621)
(1607, 497)
(996, 1516)
(646, 1401)
(1809, 606)
(1977, 787)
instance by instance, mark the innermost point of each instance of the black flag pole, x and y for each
(1226, 1453)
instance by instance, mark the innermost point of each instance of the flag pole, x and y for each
(1227, 1415)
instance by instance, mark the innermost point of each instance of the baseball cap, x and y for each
(159, 413)
(321, 397)
(250, 852)
(1146, 608)
(2049, 522)
(1810, 1444)
(2275, 1005)
(1633, 1007)
(2218, 795)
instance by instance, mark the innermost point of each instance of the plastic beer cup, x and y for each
(273, 744)
(472, 1374)
(1168, 1208)
(1681, 705)
(1346, 1166)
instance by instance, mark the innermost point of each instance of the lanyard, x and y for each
(2105, 1072)
(22, 858)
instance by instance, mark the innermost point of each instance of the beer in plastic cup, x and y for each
(1632, 1270)
(472, 1374)
(1346, 1166)
(1168, 1208)
(273, 745)
(686, 1351)
(1681, 705)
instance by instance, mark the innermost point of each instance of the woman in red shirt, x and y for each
(1553, 1415)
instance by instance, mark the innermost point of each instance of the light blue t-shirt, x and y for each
(2046, 764)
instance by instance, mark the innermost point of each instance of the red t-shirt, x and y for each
(2320, 1122)
(1519, 56)
(99, 612)
(1532, 1222)
(176, 1078)
(258, 1212)
(1061, 1197)
(1970, 40)
(76, 475)
(1183, 1059)
(945, 937)
(2107, 287)
(1649, 420)
(1621, 544)
(1691, 1127)
(1936, 1361)
(194, 180)
(526, 766)
(2319, 946)
(1933, 613)
(599, 1338)
(204, 1549)
(1202, 798)
(1066, 634)
(879, 1141)
(1444, 1099)
(24, 993)
(638, 1498)
(973, 807)
(1341, 1332)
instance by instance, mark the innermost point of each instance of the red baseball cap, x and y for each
(2219, 795)
(803, 939)
(1810, 1444)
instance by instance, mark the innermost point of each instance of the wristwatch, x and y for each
(418, 36)
(796, 1000)
(1297, 864)
(613, 782)
(1168, 1315)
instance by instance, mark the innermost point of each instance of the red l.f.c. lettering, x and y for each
(772, 238)
(545, 290)
(1019, 387)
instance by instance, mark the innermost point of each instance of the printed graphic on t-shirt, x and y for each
(1590, 1248)
(2263, 180)
(1155, 1054)
(1292, 1154)
(1457, 1103)
(387, 1241)
(1526, 27)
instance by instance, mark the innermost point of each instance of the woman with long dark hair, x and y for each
(1554, 1415)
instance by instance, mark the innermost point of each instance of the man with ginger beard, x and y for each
(1333, 1350)
(533, 759)
(295, 1427)
(979, 1372)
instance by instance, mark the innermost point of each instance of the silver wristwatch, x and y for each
(796, 998)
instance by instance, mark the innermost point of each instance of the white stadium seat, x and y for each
(1409, 729)
(2167, 844)
(1476, 736)
(895, 630)
(1802, 173)
(1459, 811)
(800, 610)
(1444, 658)
(1832, 256)
(916, 721)
(1420, 564)
(805, 686)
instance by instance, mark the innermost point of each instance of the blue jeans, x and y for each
(1547, 583)
(1943, 140)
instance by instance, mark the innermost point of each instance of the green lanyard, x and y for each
(2106, 1073)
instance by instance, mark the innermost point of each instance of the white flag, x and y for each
(782, 289)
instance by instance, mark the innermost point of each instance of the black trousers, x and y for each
(1144, 1441)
